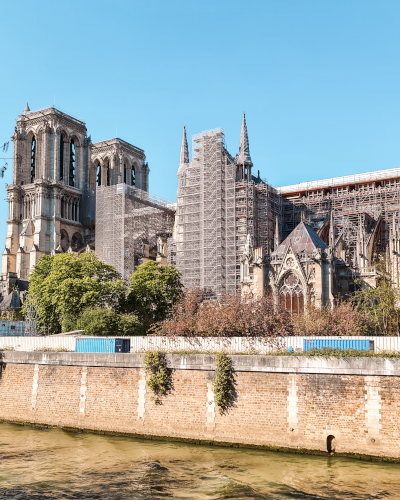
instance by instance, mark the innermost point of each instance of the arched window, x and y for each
(124, 173)
(133, 175)
(98, 174)
(291, 294)
(33, 159)
(61, 158)
(72, 163)
(108, 173)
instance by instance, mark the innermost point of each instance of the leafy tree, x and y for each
(342, 319)
(108, 322)
(229, 316)
(381, 305)
(67, 284)
(153, 291)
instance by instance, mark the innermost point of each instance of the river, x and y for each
(55, 464)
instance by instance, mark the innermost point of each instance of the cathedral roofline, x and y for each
(341, 181)
(117, 140)
(29, 115)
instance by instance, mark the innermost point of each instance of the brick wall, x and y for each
(274, 405)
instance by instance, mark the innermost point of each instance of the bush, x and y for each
(342, 319)
(108, 322)
(229, 316)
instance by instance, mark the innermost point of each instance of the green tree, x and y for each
(381, 304)
(153, 290)
(108, 322)
(67, 284)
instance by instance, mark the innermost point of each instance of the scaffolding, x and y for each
(128, 224)
(368, 206)
(205, 236)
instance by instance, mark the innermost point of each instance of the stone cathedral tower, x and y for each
(51, 201)
(50, 173)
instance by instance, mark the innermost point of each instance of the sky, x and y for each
(319, 80)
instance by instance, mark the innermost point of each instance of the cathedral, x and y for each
(229, 231)
(308, 243)
(51, 201)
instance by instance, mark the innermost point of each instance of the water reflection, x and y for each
(53, 464)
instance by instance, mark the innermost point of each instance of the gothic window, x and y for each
(108, 174)
(72, 163)
(62, 208)
(98, 174)
(133, 175)
(61, 158)
(125, 173)
(33, 159)
(291, 294)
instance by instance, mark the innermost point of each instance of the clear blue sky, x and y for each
(319, 80)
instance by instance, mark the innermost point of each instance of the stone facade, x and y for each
(345, 406)
(51, 202)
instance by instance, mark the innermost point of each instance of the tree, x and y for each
(342, 319)
(229, 316)
(153, 291)
(381, 305)
(108, 322)
(67, 284)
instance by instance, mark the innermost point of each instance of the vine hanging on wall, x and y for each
(223, 382)
(159, 374)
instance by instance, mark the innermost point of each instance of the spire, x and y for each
(243, 158)
(184, 149)
(276, 238)
(26, 108)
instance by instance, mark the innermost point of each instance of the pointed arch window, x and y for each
(98, 174)
(108, 174)
(72, 163)
(291, 294)
(133, 176)
(33, 159)
(61, 158)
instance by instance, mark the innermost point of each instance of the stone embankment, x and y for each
(315, 405)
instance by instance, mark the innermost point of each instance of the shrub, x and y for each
(108, 322)
(342, 319)
(229, 316)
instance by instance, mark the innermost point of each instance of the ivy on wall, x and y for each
(223, 382)
(159, 375)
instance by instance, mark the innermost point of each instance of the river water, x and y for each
(46, 464)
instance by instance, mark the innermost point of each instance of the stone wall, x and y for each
(280, 402)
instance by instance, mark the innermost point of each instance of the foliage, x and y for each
(381, 305)
(229, 316)
(342, 319)
(107, 322)
(66, 284)
(159, 379)
(329, 352)
(223, 382)
(153, 291)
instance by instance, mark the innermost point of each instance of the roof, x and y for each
(341, 181)
(303, 239)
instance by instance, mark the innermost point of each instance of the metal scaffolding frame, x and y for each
(205, 239)
(355, 207)
(128, 223)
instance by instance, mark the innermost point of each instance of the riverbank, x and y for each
(301, 404)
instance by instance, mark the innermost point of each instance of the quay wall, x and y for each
(286, 403)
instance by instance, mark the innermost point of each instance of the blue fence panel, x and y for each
(359, 345)
(95, 345)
